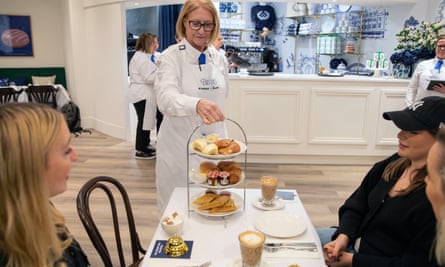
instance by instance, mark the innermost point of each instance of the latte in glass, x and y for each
(269, 186)
(251, 245)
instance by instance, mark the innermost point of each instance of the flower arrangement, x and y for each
(417, 41)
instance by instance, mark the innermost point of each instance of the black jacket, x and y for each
(395, 231)
(73, 256)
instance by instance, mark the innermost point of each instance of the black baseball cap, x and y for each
(425, 114)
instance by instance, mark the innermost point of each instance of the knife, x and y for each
(293, 244)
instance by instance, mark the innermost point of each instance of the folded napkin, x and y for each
(285, 195)
(158, 250)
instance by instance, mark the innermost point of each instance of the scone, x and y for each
(199, 144)
(212, 138)
(210, 149)
(206, 166)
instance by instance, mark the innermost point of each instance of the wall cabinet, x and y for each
(291, 118)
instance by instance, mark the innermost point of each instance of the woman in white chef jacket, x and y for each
(427, 70)
(191, 88)
(142, 70)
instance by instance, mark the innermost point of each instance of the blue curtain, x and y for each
(167, 17)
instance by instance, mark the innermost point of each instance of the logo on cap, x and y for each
(415, 105)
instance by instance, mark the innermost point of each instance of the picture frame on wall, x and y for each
(15, 36)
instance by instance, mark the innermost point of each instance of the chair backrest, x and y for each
(109, 186)
(45, 94)
(9, 94)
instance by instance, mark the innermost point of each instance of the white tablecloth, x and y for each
(216, 238)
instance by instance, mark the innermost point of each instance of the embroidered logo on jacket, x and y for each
(208, 84)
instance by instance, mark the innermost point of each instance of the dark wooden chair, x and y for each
(9, 94)
(114, 191)
(45, 94)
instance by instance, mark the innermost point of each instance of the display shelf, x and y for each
(336, 31)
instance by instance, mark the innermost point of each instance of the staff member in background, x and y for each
(435, 191)
(432, 69)
(218, 43)
(141, 93)
(191, 87)
(35, 159)
(388, 220)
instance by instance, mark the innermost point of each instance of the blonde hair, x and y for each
(28, 235)
(191, 5)
(439, 249)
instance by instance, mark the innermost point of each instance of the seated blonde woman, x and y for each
(35, 158)
(435, 191)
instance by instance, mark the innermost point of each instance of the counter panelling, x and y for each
(317, 120)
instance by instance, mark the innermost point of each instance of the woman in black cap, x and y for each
(388, 221)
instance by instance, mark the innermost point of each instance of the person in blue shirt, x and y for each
(431, 69)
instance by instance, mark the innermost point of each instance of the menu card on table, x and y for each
(158, 250)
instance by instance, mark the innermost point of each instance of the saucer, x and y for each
(278, 204)
(238, 263)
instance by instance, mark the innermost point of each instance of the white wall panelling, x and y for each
(302, 118)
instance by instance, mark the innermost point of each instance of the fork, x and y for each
(275, 249)
(205, 264)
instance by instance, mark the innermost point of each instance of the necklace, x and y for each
(403, 183)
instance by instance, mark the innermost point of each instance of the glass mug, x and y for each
(269, 186)
(251, 246)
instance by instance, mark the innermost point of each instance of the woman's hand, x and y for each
(344, 260)
(439, 88)
(334, 250)
(209, 111)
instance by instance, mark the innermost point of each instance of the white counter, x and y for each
(290, 118)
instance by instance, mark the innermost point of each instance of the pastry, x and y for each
(227, 207)
(221, 143)
(234, 178)
(234, 170)
(233, 147)
(223, 165)
(229, 166)
(215, 203)
(206, 198)
(212, 138)
(210, 149)
(206, 166)
(199, 144)
(225, 193)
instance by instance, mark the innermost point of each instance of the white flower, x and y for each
(423, 35)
